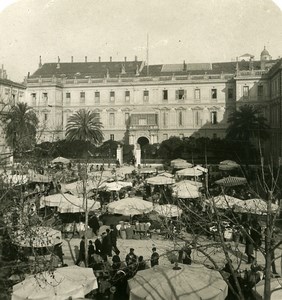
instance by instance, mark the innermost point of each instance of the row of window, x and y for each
(144, 121)
(180, 94)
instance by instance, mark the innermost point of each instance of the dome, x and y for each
(264, 52)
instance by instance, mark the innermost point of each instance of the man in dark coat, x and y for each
(81, 255)
(94, 224)
(104, 250)
(98, 246)
(154, 257)
(131, 258)
(108, 243)
(91, 251)
(113, 235)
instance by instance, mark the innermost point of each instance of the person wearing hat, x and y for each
(154, 257)
(131, 258)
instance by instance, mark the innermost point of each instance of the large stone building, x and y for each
(140, 103)
(10, 93)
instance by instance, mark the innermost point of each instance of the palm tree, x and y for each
(85, 126)
(247, 123)
(20, 125)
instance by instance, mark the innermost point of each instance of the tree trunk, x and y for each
(84, 182)
(268, 259)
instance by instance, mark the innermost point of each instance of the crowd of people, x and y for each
(103, 251)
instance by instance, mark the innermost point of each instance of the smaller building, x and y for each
(10, 93)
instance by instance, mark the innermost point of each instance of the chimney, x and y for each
(125, 59)
(123, 69)
(40, 63)
(184, 66)
(72, 59)
(85, 59)
(237, 65)
(251, 64)
(137, 71)
(99, 58)
(110, 59)
(28, 74)
(136, 58)
(58, 64)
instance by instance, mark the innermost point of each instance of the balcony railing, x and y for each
(144, 127)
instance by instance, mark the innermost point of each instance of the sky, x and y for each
(177, 30)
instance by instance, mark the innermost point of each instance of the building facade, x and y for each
(138, 103)
(10, 94)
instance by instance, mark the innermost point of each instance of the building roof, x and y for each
(247, 55)
(10, 83)
(92, 69)
(130, 68)
(200, 69)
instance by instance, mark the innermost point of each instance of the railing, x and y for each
(252, 73)
(187, 77)
(144, 127)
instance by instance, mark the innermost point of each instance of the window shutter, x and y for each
(185, 94)
(177, 94)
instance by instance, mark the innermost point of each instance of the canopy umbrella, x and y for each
(57, 199)
(228, 162)
(177, 160)
(37, 237)
(78, 206)
(116, 185)
(275, 283)
(168, 210)
(63, 283)
(182, 165)
(76, 188)
(160, 180)
(147, 171)
(191, 172)
(130, 206)
(166, 174)
(187, 182)
(227, 165)
(231, 181)
(186, 282)
(61, 160)
(225, 201)
(186, 192)
(256, 206)
(200, 168)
